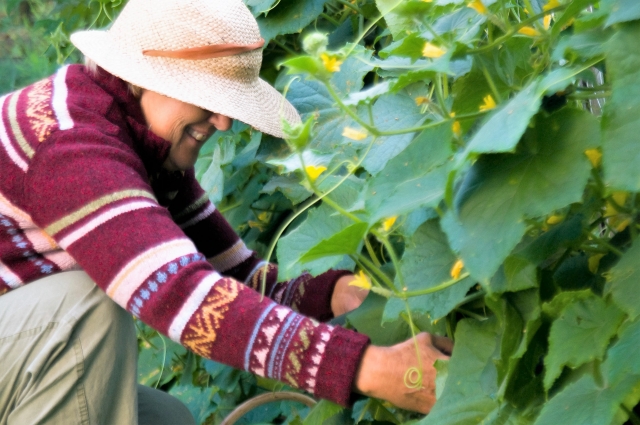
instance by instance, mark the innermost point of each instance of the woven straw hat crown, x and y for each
(229, 85)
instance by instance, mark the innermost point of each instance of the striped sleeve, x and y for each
(88, 189)
(228, 254)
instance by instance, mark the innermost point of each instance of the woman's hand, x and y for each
(346, 297)
(382, 372)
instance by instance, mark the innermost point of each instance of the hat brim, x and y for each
(250, 100)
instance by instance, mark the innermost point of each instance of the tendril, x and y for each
(413, 378)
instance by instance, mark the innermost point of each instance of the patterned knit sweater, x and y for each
(82, 188)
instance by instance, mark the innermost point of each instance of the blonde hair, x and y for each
(92, 67)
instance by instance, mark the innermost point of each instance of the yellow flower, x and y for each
(313, 171)
(546, 21)
(478, 6)
(488, 104)
(456, 127)
(421, 100)
(353, 134)
(432, 51)
(529, 31)
(555, 219)
(620, 198)
(331, 63)
(361, 281)
(594, 262)
(457, 269)
(595, 156)
(551, 5)
(388, 223)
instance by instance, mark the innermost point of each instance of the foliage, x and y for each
(500, 135)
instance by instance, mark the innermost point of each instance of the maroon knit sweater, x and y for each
(82, 187)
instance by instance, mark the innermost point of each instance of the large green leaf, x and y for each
(619, 363)
(503, 130)
(621, 123)
(586, 403)
(549, 171)
(406, 184)
(427, 262)
(320, 224)
(624, 11)
(580, 335)
(392, 112)
(345, 242)
(289, 16)
(464, 400)
(622, 282)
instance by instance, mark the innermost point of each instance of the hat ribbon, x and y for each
(206, 52)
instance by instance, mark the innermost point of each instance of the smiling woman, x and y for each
(98, 179)
(186, 126)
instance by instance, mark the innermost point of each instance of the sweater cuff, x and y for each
(337, 372)
(314, 298)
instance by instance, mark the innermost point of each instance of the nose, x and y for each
(220, 122)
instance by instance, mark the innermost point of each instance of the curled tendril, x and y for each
(413, 378)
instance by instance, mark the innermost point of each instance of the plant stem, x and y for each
(371, 252)
(514, 30)
(375, 270)
(284, 46)
(437, 288)
(348, 110)
(350, 6)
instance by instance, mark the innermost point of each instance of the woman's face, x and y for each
(186, 126)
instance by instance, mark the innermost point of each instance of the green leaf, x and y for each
(346, 242)
(289, 16)
(213, 179)
(258, 7)
(504, 128)
(156, 359)
(573, 9)
(620, 364)
(405, 184)
(580, 335)
(548, 172)
(624, 11)
(306, 65)
(197, 400)
(320, 223)
(515, 274)
(463, 399)
(321, 412)
(367, 319)
(621, 123)
(622, 282)
(372, 410)
(427, 262)
(584, 45)
(585, 403)
(397, 22)
(564, 235)
(309, 157)
(366, 96)
(392, 112)
(289, 186)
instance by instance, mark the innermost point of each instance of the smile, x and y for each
(197, 135)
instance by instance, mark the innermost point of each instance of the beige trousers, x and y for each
(68, 355)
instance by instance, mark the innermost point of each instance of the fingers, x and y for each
(444, 344)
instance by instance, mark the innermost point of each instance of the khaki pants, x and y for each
(68, 355)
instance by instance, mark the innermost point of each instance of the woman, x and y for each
(98, 189)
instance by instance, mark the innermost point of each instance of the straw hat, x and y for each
(203, 52)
